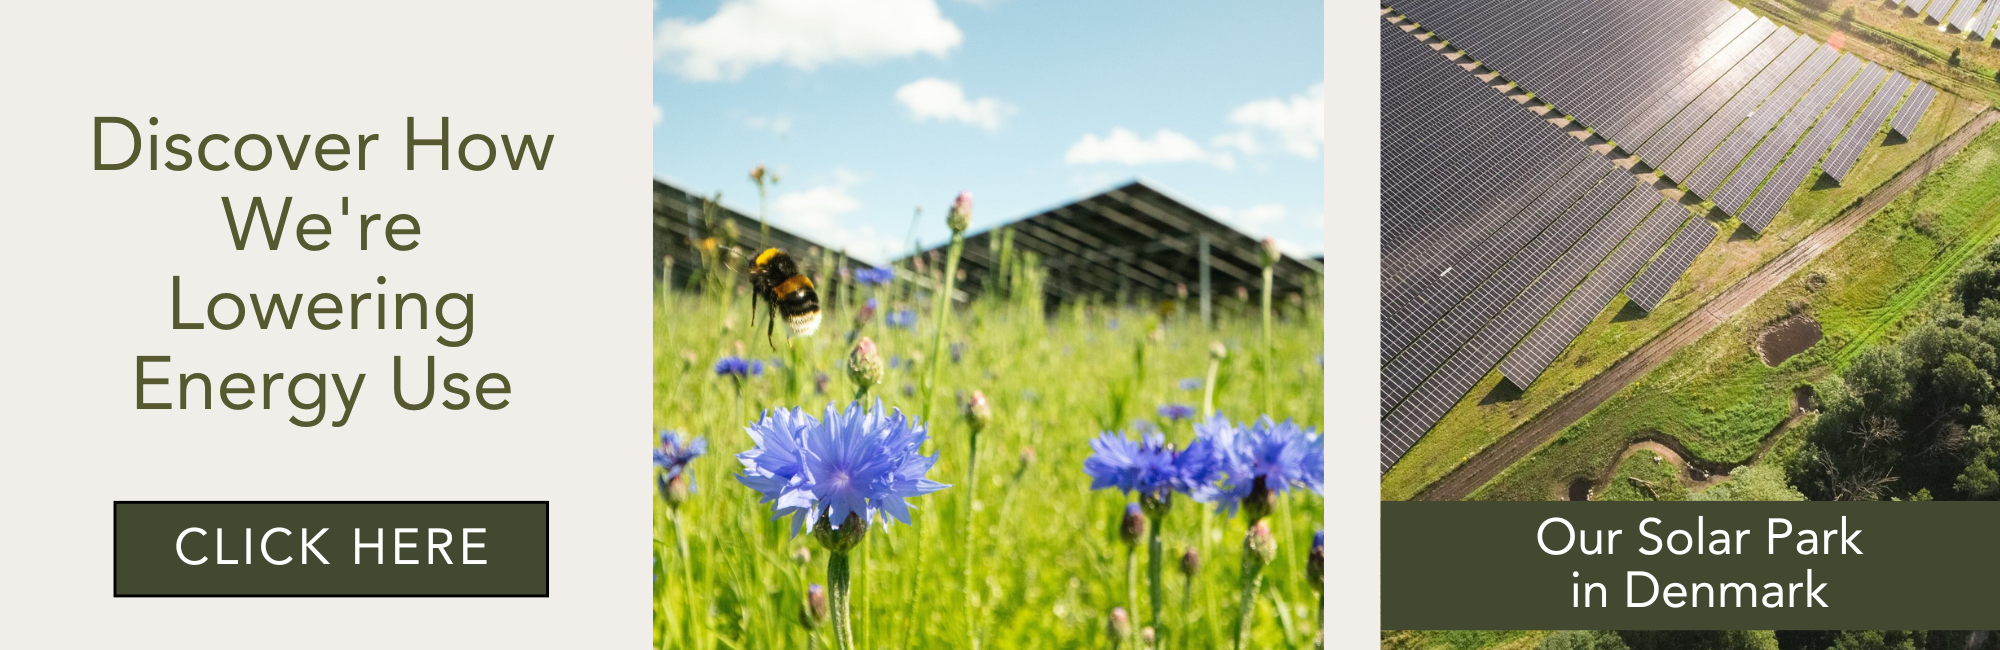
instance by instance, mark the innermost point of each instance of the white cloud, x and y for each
(936, 99)
(1243, 141)
(823, 213)
(657, 114)
(1298, 123)
(1125, 147)
(779, 126)
(803, 34)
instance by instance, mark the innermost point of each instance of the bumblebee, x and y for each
(775, 277)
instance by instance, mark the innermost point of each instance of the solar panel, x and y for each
(1912, 111)
(1845, 152)
(1982, 24)
(1684, 159)
(1961, 13)
(1534, 354)
(1444, 387)
(1697, 113)
(1687, 95)
(1652, 286)
(1708, 178)
(1534, 261)
(1936, 10)
(1779, 143)
(1779, 189)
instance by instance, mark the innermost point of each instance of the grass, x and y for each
(1461, 640)
(1720, 399)
(1645, 476)
(1488, 412)
(1050, 566)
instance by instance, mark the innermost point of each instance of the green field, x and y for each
(1047, 562)
(1720, 400)
(1487, 412)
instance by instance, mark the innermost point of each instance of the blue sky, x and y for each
(868, 109)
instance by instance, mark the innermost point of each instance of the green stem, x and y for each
(836, 587)
(943, 312)
(1187, 611)
(1153, 574)
(687, 579)
(867, 630)
(1208, 390)
(1269, 390)
(1252, 579)
(1132, 580)
(971, 546)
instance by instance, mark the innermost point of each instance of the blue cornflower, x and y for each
(670, 461)
(1250, 466)
(1191, 383)
(875, 276)
(738, 367)
(903, 318)
(861, 462)
(1111, 324)
(1148, 466)
(1176, 412)
(871, 304)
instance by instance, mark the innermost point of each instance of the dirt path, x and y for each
(1517, 444)
(1695, 472)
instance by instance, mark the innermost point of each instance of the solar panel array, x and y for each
(1905, 121)
(1971, 17)
(1660, 276)
(1504, 236)
(1856, 138)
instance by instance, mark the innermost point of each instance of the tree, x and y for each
(1752, 483)
(1583, 640)
(1847, 17)
(1702, 640)
(1953, 61)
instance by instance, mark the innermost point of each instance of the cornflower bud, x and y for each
(960, 216)
(677, 490)
(1133, 525)
(1259, 546)
(803, 556)
(757, 174)
(1146, 637)
(978, 413)
(815, 611)
(1121, 625)
(1190, 563)
(864, 364)
(1268, 253)
(1216, 351)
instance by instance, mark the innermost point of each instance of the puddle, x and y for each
(1787, 338)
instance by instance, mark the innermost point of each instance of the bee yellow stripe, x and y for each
(766, 256)
(794, 284)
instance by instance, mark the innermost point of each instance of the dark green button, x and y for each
(331, 548)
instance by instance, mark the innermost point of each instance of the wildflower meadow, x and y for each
(991, 474)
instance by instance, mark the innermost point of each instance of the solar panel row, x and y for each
(1936, 10)
(1649, 127)
(1907, 117)
(1961, 13)
(1415, 310)
(1785, 181)
(1443, 389)
(1697, 113)
(1708, 177)
(1660, 276)
(1414, 363)
(1591, 59)
(1779, 143)
(1681, 162)
(1856, 138)
(1540, 348)
(1982, 24)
